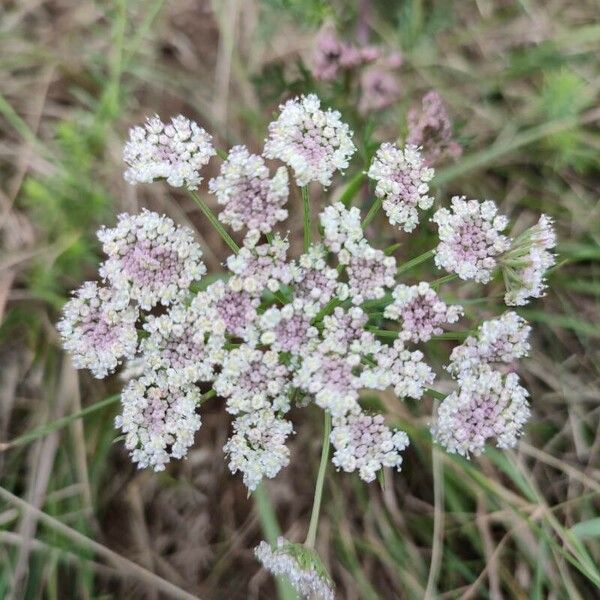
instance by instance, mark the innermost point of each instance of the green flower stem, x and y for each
(435, 394)
(352, 188)
(314, 517)
(326, 310)
(444, 279)
(415, 261)
(207, 396)
(210, 215)
(307, 223)
(372, 212)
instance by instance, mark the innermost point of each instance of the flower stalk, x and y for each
(314, 517)
(214, 221)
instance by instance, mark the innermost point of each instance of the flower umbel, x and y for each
(403, 182)
(470, 238)
(250, 199)
(280, 329)
(362, 442)
(175, 151)
(150, 258)
(98, 328)
(314, 143)
(487, 405)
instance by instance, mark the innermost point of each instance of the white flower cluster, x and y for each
(180, 343)
(299, 565)
(421, 312)
(400, 368)
(257, 447)
(98, 328)
(403, 182)
(249, 197)
(487, 405)
(253, 379)
(289, 329)
(470, 238)
(342, 227)
(257, 267)
(150, 258)
(175, 152)
(501, 340)
(159, 420)
(274, 332)
(370, 272)
(314, 280)
(362, 442)
(314, 143)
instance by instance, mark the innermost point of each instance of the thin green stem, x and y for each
(210, 215)
(314, 517)
(391, 249)
(372, 212)
(207, 396)
(326, 310)
(435, 394)
(352, 188)
(415, 261)
(307, 220)
(444, 279)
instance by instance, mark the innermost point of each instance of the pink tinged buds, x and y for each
(403, 182)
(98, 328)
(363, 443)
(420, 311)
(257, 447)
(158, 419)
(250, 199)
(487, 406)
(470, 238)
(175, 152)
(312, 142)
(150, 258)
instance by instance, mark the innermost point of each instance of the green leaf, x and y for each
(587, 529)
